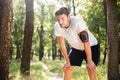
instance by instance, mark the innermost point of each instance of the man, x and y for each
(83, 44)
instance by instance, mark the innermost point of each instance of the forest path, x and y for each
(54, 76)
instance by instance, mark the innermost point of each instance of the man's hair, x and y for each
(62, 10)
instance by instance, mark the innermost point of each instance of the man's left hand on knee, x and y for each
(91, 66)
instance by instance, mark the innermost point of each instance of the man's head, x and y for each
(63, 17)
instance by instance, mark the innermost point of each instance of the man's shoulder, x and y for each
(76, 19)
(56, 24)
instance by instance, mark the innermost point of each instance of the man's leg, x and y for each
(68, 72)
(91, 73)
(95, 57)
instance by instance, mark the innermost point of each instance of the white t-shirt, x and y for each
(71, 33)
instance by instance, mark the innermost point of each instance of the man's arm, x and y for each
(63, 48)
(85, 39)
(88, 51)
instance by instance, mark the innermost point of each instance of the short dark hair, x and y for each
(62, 10)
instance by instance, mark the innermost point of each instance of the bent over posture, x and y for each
(83, 43)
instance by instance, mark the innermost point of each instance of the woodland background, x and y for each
(29, 49)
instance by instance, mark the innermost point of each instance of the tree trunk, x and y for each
(41, 32)
(112, 38)
(54, 49)
(28, 33)
(18, 54)
(60, 54)
(119, 54)
(74, 12)
(6, 17)
(105, 13)
(41, 49)
(105, 53)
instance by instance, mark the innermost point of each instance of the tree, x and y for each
(105, 13)
(41, 49)
(6, 17)
(119, 26)
(73, 7)
(28, 33)
(112, 39)
(41, 31)
(54, 48)
(92, 13)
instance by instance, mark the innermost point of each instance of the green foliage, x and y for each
(96, 23)
(19, 18)
(46, 18)
(93, 14)
(18, 23)
(36, 72)
(55, 66)
(14, 68)
(94, 17)
(118, 4)
(79, 73)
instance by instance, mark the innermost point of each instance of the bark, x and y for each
(41, 49)
(18, 54)
(112, 40)
(28, 33)
(6, 17)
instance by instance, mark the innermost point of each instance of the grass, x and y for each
(38, 73)
(79, 73)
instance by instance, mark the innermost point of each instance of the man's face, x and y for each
(63, 20)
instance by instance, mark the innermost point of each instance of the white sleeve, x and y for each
(81, 26)
(57, 30)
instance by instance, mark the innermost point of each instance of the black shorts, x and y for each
(77, 56)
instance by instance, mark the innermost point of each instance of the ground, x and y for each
(53, 75)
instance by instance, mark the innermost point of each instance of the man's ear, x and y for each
(68, 16)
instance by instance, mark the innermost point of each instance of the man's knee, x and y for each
(68, 69)
(89, 70)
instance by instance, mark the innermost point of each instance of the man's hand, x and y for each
(91, 66)
(66, 65)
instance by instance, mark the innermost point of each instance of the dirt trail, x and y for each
(53, 75)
